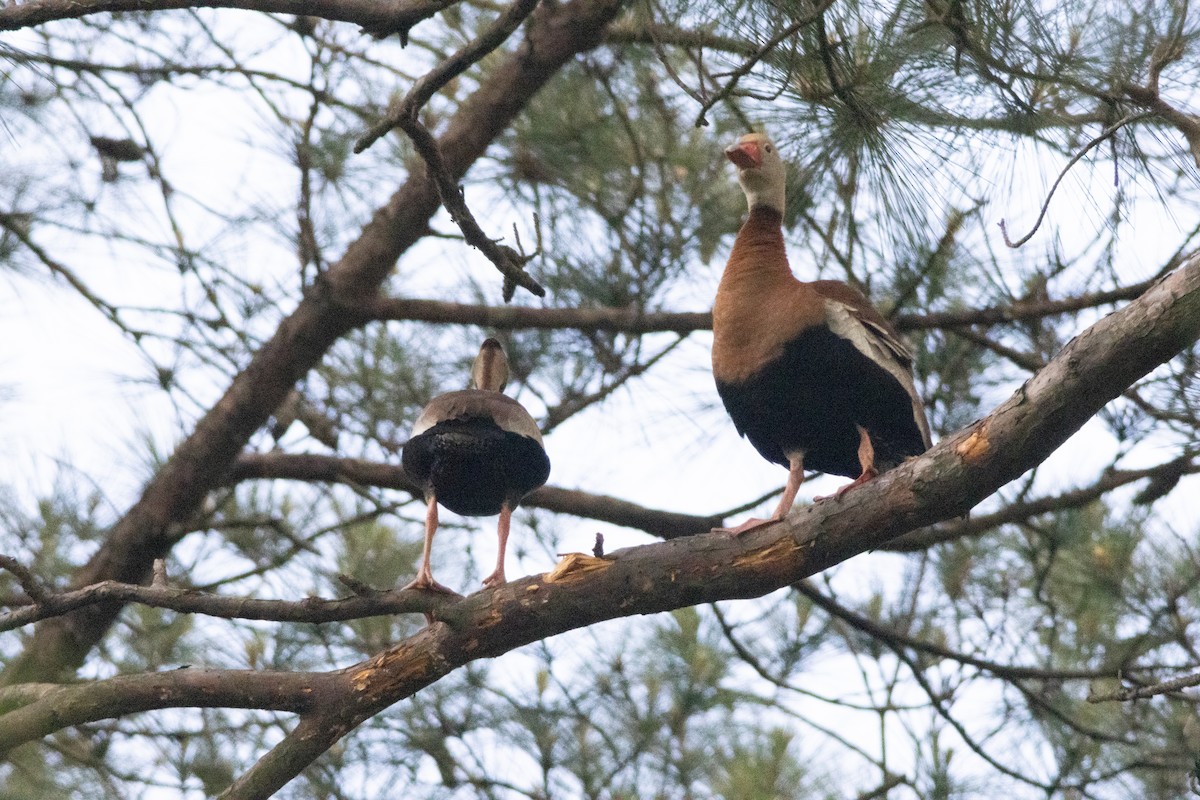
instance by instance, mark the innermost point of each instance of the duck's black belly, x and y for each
(474, 467)
(812, 397)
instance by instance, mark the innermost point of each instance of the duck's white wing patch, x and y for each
(878, 344)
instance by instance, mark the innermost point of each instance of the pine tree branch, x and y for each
(1010, 672)
(189, 601)
(745, 68)
(327, 312)
(406, 116)
(380, 17)
(582, 590)
(1167, 51)
(630, 320)
(1143, 692)
(332, 469)
(625, 320)
(918, 541)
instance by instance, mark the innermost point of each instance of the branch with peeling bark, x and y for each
(369, 602)
(582, 590)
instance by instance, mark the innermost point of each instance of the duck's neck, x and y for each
(758, 254)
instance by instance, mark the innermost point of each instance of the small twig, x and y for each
(12, 222)
(1104, 135)
(405, 115)
(29, 582)
(1142, 692)
(598, 547)
(447, 70)
(510, 263)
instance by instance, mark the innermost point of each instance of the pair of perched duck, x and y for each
(810, 372)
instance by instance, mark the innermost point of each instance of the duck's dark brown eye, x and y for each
(770, 149)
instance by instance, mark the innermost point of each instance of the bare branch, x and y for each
(510, 263)
(632, 320)
(1142, 692)
(625, 320)
(13, 224)
(448, 70)
(1104, 136)
(380, 17)
(405, 115)
(29, 582)
(312, 467)
(1019, 310)
(188, 601)
(893, 638)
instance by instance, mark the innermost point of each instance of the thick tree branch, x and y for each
(75, 704)
(962, 470)
(380, 17)
(329, 309)
(665, 524)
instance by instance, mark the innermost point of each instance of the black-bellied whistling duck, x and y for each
(810, 372)
(478, 453)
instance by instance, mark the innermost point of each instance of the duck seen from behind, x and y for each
(810, 372)
(476, 452)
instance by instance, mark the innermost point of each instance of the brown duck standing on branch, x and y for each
(478, 453)
(810, 372)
